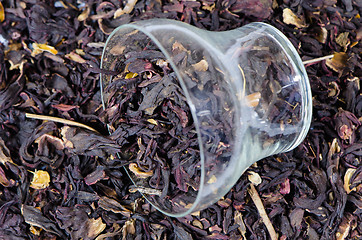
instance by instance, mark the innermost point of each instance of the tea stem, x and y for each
(315, 60)
(59, 120)
(264, 216)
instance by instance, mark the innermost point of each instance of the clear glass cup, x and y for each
(247, 90)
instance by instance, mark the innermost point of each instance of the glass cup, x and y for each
(248, 93)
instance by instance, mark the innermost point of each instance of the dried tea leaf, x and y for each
(197, 224)
(34, 217)
(84, 15)
(149, 191)
(4, 153)
(290, 18)
(85, 142)
(41, 179)
(343, 40)
(347, 178)
(348, 223)
(95, 227)
(296, 218)
(256, 8)
(64, 107)
(338, 62)
(133, 167)
(181, 233)
(112, 205)
(40, 47)
(75, 57)
(117, 50)
(127, 9)
(2, 12)
(201, 66)
(238, 219)
(254, 178)
(322, 35)
(116, 231)
(128, 228)
(96, 176)
(4, 180)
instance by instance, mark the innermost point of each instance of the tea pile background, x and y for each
(58, 182)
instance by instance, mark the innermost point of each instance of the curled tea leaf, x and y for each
(4, 153)
(347, 178)
(84, 15)
(238, 219)
(127, 9)
(128, 228)
(133, 167)
(348, 223)
(41, 179)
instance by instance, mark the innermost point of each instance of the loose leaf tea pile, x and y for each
(150, 119)
(49, 65)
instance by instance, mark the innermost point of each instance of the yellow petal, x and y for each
(35, 230)
(201, 66)
(131, 75)
(2, 13)
(133, 167)
(41, 179)
(152, 121)
(253, 99)
(84, 15)
(40, 47)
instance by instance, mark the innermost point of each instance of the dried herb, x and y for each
(49, 65)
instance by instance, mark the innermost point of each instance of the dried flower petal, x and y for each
(40, 47)
(41, 179)
(127, 9)
(290, 18)
(75, 57)
(133, 167)
(343, 40)
(201, 66)
(254, 178)
(338, 62)
(4, 153)
(2, 12)
(84, 15)
(347, 180)
(253, 99)
(96, 226)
